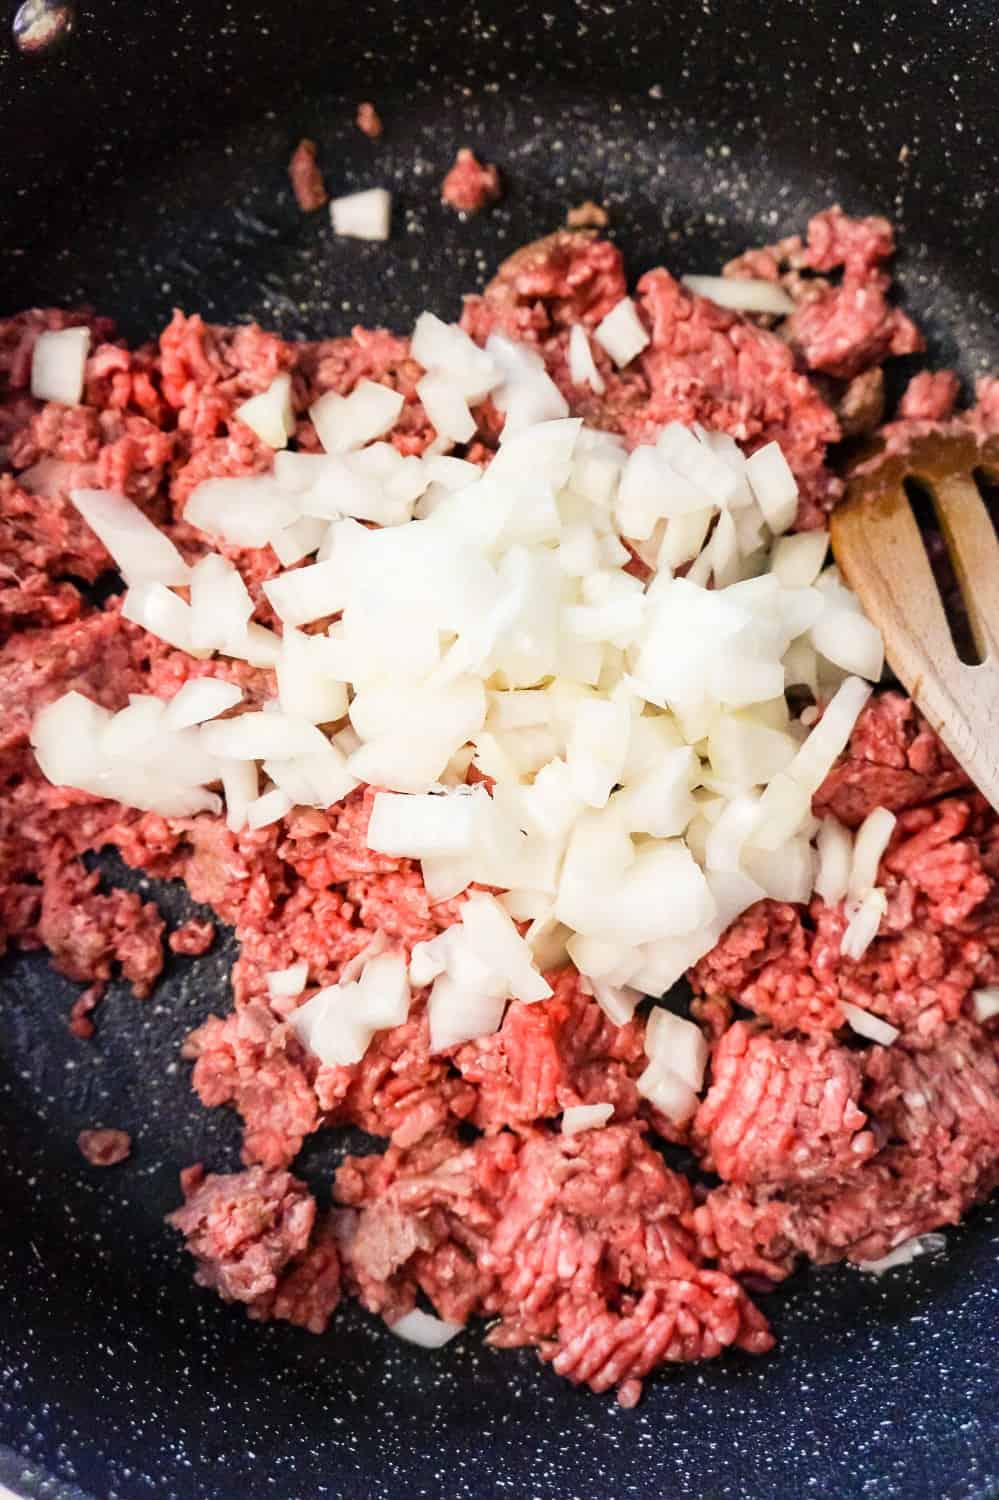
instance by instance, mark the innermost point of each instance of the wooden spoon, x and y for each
(879, 549)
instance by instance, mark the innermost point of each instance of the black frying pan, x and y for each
(144, 166)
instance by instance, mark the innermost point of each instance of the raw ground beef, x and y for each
(306, 177)
(369, 121)
(470, 185)
(103, 1147)
(589, 1247)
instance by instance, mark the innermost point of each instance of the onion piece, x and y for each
(422, 1328)
(58, 365)
(305, 689)
(774, 486)
(835, 846)
(447, 348)
(141, 551)
(866, 1025)
(849, 641)
(617, 1001)
(582, 366)
(667, 1092)
(244, 511)
(270, 808)
(362, 216)
(797, 560)
(622, 333)
(494, 939)
(580, 1117)
(742, 293)
(828, 739)
(461, 1013)
(220, 604)
(862, 928)
(446, 407)
(343, 423)
(903, 1254)
(419, 826)
(201, 698)
(255, 736)
(270, 414)
(163, 614)
(872, 839)
(678, 1044)
(985, 1003)
(285, 984)
(240, 787)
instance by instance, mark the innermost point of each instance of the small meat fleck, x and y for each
(192, 938)
(587, 215)
(369, 120)
(306, 178)
(471, 185)
(104, 1148)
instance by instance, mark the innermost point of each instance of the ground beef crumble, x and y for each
(470, 185)
(589, 1247)
(103, 1147)
(306, 177)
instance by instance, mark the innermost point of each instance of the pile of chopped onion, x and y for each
(642, 777)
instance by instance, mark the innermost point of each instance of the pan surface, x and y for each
(144, 167)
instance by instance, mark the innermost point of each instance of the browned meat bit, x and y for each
(587, 215)
(470, 185)
(306, 178)
(862, 405)
(192, 938)
(104, 1148)
(369, 120)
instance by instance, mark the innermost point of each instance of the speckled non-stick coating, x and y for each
(143, 167)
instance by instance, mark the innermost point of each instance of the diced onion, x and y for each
(446, 407)
(422, 1328)
(622, 333)
(862, 928)
(827, 740)
(362, 216)
(582, 366)
(868, 1026)
(872, 839)
(835, 846)
(285, 984)
(344, 423)
(199, 699)
(903, 1254)
(667, 1092)
(678, 1044)
(58, 365)
(420, 825)
(774, 486)
(742, 294)
(580, 1117)
(255, 736)
(268, 809)
(797, 560)
(141, 551)
(270, 414)
(985, 1003)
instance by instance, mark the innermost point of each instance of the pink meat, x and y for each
(470, 185)
(103, 1147)
(782, 1111)
(254, 1239)
(306, 177)
(936, 1109)
(575, 1243)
